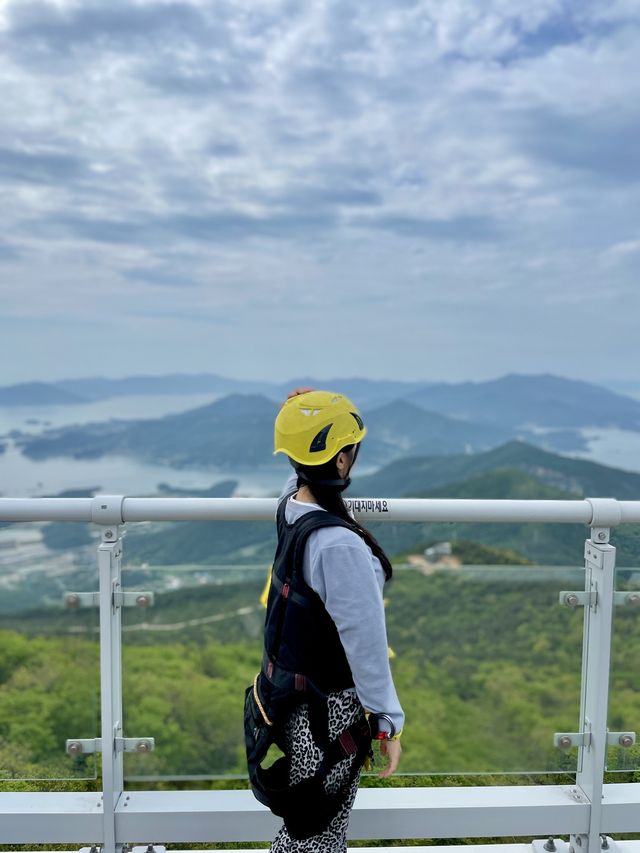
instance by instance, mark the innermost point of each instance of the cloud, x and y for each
(41, 167)
(8, 252)
(628, 247)
(460, 228)
(54, 27)
(469, 163)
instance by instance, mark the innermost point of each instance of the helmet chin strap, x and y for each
(340, 485)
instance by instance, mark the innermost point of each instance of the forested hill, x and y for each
(237, 431)
(424, 476)
(513, 471)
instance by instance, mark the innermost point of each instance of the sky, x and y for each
(404, 189)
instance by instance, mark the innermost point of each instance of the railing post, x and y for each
(596, 658)
(109, 561)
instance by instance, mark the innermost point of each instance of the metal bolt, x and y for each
(143, 601)
(143, 746)
(602, 535)
(108, 534)
(571, 600)
(565, 742)
(604, 842)
(550, 845)
(578, 841)
(72, 601)
(626, 741)
(633, 599)
(150, 849)
(94, 848)
(74, 748)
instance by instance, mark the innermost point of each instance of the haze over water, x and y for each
(23, 477)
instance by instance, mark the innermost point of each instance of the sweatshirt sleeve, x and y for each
(344, 577)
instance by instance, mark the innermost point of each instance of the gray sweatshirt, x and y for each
(341, 568)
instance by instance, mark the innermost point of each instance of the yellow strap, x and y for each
(265, 592)
(259, 703)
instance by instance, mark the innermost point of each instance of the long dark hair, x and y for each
(330, 498)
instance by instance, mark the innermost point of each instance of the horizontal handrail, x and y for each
(119, 509)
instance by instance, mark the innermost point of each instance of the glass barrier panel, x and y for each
(49, 650)
(624, 692)
(188, 658)
(486, 661)
(488, 664)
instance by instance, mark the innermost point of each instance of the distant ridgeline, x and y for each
(404, 418)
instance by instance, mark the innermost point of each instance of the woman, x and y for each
(346, 569)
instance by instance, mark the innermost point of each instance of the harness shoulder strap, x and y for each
(280, 512)
(311, 521)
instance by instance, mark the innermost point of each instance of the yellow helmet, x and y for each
(312, 427)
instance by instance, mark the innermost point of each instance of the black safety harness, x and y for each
(303, 661)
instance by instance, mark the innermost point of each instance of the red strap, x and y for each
(347, 743)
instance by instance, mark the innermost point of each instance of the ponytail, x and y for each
(329, 497)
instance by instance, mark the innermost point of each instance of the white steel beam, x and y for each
(109, 567)
(201, 816)
(52, 818)
(263, 509)
(535, 811)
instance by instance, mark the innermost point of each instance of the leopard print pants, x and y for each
(344, 709)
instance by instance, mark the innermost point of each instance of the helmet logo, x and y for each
(319, 443)
(309, 412)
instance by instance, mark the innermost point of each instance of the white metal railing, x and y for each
(585, 811)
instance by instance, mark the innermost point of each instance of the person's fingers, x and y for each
(392, 750)
(297, 391)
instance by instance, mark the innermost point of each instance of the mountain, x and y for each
(413, 477)
(544, 400)
(235, 432)
(401, 427)
(38, 394)
(544, 544)
(365, 393)
(231, 433)
(510, 405)
(100, 388)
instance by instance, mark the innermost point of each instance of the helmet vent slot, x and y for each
(319, 443)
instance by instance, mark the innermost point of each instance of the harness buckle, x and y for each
(270, 670)
(285, 590)
(300, 681)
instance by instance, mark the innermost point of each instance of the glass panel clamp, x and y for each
(623, 739)
(567, 740)
(79, 746)
(627, 599)
(75, 600)
(573, 599)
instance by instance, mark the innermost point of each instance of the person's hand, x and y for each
(391, 750)
(297, 391)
